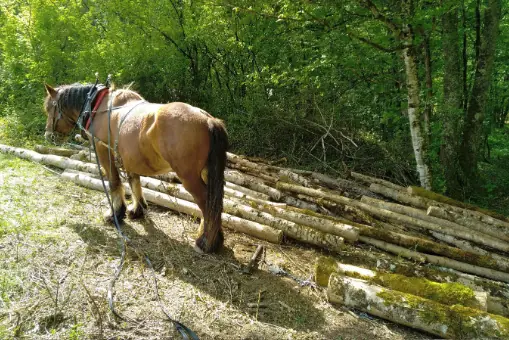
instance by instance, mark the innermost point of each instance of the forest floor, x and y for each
(57, 259)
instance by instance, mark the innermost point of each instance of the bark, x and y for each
(400, 196)
(428, 106)
(53, 160)
(445, 293)
(369, 180)
(457, 231)
(293, 230)
(486, 258)
(251, 228)
(250, 193)
(471, 255)
(420, 219)
(343, 185)
(477, 102)
(253, 172)
(252, 183)
(469, 222)
(453, 204)
(452, 109)
(322, 223)
(437, 260)
(415, 113)
(55, 151)
(445, 321)
(289, 176)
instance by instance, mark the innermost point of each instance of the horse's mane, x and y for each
(122, 96)
(72, 97)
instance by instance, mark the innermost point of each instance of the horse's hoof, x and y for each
(135, 213)
(198, 250)
(204, 246)
(120, 215)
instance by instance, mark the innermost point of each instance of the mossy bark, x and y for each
(455, 322)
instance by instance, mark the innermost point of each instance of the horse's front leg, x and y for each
(137, 208)
(117, 194)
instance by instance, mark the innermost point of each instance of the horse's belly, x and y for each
(146, 167)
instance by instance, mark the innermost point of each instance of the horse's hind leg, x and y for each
(198, 189)
(116, 189)
(137, 208)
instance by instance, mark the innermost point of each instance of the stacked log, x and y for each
(452, 241)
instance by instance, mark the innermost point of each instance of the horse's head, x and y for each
(62, 107)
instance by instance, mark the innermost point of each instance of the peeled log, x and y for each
(54, 160)
(452, 322)
(370, 180)
(55, 151)
(438, 260)
(469, 222)
(244, 226)
(436, 224)
(445, 293)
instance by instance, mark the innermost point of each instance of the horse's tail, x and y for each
(216, 164)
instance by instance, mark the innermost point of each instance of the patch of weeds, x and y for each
(76, 332)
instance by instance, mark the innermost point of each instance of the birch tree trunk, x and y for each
(415, 115)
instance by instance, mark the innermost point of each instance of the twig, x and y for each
(253, 259)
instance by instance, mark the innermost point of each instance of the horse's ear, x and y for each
(51, 91)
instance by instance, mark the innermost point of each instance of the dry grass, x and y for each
(57, 258)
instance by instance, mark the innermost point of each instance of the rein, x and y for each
(89, 114)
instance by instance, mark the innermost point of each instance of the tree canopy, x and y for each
(411, 90)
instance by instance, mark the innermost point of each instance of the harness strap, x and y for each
(100, 96)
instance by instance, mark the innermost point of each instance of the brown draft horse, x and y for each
(150, 139)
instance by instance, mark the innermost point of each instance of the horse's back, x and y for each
(162, 136)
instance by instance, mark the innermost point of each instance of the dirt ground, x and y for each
(57, 259)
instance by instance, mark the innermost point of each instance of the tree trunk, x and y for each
(445, 293)
(482, 80)
(415, 114)
(448, 321)
(420, 219)
(452, 111)
(437, 260)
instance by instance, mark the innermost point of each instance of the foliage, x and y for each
(321, 83)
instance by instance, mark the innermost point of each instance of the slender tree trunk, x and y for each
(428, 106)
(452, 111)
(480, 89)
(415, 115)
